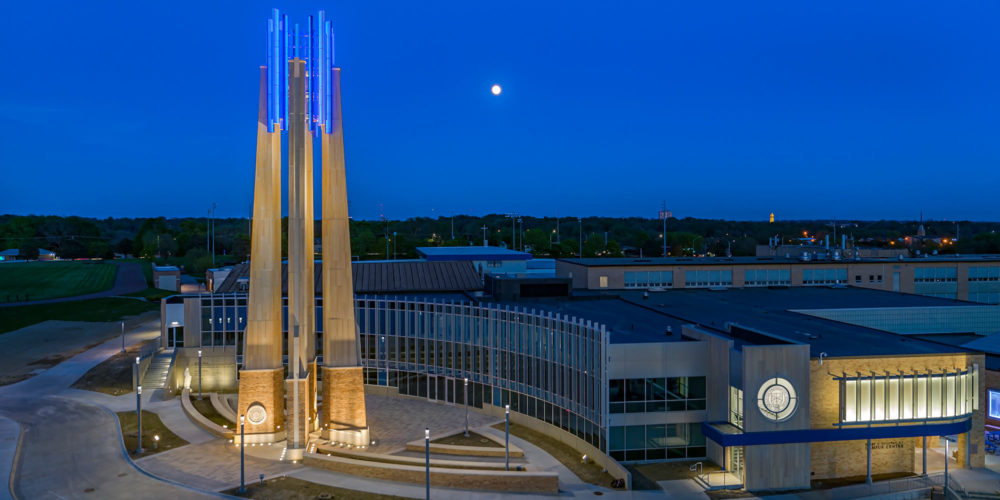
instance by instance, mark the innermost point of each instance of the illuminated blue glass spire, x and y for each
(284, 43)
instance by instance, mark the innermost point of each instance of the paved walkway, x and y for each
(128, 279)
(393, 421)
(10, 435)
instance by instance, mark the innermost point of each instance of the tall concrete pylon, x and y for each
(261, 388)
(344, 414)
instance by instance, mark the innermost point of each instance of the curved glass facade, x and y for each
(544, 365)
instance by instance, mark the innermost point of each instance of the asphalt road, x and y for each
(72, 449)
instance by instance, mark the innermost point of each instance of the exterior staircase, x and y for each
(156, 375)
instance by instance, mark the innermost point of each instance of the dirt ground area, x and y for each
(37, 347)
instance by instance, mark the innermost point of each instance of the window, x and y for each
(878, 278)
(649, 279)
(604, 281)
(736, 406)
(857, 279)
(934, 274)
(640, 395)
(909, 397)
(832, 276)
(656, 441)
(706, 279)
(984, 274)
(767, 277)
(994, 408)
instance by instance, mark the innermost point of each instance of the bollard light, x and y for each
(427, 461)
(466, 406)
(156, 441)
(506, 439)
(138, 415)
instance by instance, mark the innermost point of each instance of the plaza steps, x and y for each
(156, 375)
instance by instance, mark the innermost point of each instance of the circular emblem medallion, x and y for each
(776, 399)
(256, 414)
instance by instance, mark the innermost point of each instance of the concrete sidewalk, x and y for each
(10, 437)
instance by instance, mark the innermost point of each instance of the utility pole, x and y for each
(521, 224)
(453, 227)
(513, 230)
(557, 229)
(663, 215)
(213, 234)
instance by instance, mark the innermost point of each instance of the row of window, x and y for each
(640, 395)
(656, 442)
(694, 279)
(834, 276)
(782, 277)
(767, 277)
(984, 273)
(934, 274)
(913, 397)
(649, 279)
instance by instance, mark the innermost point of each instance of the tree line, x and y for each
(187, 241)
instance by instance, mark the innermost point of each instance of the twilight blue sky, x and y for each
(839, 109)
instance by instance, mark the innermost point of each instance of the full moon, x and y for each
(496, 89)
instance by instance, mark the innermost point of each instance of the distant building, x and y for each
(216, 276)
(46, 254)
(167, 278)
(975, 278)
(486, 259)
(10, 254)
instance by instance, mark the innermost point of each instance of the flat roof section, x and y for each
(768, 311)
(765, 260)
(625, 322)
(471, 253)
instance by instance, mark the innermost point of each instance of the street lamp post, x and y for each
(580, 220)
(138, 414)
(394, 245)
(243, 449)
(506, 441)
(156, 441)
(466, 406)
(123, 336)
(199, 374)
(427, 460)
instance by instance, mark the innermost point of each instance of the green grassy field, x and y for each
(105, 309)
(21, 281)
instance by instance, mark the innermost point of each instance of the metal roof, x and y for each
(471, 253)
(383, 277)
(769, 311)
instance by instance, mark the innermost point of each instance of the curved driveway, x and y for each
(71, 448)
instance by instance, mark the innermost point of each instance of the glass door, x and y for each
(736, 461)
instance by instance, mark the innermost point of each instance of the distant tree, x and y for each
(124, 246)
(613, 250)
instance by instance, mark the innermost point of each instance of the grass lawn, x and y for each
(151, 294)
(589, 472)
(290, 488)
(21, 281)
(473, 440)
(114, 375)
(204, 406)
(151, 426)
(105, 309)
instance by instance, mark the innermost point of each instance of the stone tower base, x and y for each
(344, 416)
(262, 388)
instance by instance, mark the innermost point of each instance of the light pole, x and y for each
(138, 414)
(199, 374)
(213, 234)
(581, 236)
(466, 406)
(485, 241)
(506, 441)
(427, 460)
(394, 245)
(156, 441)
(243, 449)
(947, 455)
(123, 336)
